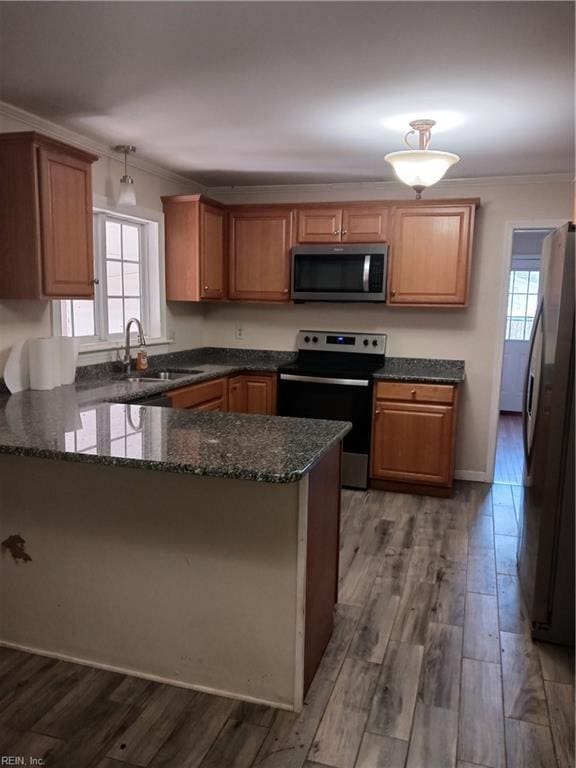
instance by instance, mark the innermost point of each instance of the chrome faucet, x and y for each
(127, 359)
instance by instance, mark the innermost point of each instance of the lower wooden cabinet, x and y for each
(207, 396)
(245, 393)
(413, 434)
(249, 393)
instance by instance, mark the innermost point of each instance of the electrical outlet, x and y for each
(239, 332)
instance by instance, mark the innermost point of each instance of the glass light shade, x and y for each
(420, 168)
(127, 195)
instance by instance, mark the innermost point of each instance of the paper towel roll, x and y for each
(44, 355)
(68, 359)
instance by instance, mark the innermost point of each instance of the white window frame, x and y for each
(152, 277)
(533, 267)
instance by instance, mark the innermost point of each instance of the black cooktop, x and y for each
(335, 365)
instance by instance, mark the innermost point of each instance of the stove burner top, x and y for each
(337, 354)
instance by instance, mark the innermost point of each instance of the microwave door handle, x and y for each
(366, 274)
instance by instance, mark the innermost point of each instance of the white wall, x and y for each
(24, 319)
(470, 334)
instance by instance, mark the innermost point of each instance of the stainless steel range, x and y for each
(332, 379)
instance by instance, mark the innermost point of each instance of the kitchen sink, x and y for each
(158, 375)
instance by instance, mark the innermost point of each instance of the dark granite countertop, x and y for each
(99, 383)
(97, 420)
(421, 370)
(229, 445)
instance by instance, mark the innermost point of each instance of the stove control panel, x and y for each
(343, 341)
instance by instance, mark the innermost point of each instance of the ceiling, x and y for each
(244, 93)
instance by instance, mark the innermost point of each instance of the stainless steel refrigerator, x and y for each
(546, 541)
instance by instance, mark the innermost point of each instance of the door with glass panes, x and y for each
(521, 309)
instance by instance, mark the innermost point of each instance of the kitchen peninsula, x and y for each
(199, 549)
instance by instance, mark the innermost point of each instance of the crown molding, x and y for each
(55, 131)
(393, 187)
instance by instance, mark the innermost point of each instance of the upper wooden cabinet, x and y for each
(46, 246)
(260, 243)
(320, 225)
(243, 252)
(430, 255)
(195, 248)
(354, 224)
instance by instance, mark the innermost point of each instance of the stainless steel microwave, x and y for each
(339, 272)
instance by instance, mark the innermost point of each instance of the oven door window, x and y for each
(333, 401)
(329, 273)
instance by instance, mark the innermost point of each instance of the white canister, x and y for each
(44, 356)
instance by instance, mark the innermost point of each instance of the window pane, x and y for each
(66, 327)
(532, 305)
(517, 330)
(83, 317)
(113, 239)
(518, 305)
(117, 423)
(131, 279)
(86, 437)
(134, 446)
(115, 316)
(533, 282)
(132, 308)
(130, 242)
(118, 448)
(528, 330)
(520, 281)
(114, 278)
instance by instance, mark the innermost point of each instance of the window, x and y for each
(522, 303)
(127, 270)
(118, 431)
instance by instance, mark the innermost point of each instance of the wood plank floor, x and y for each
(509, 450)
(430, 666)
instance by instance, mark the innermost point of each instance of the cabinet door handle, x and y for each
(413, 392)
(393, 293)
(344, 231)
(336, 232)
(377, 411)
(206, 288)
(285, 290)
(96, 281)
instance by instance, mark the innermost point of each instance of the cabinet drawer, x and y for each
(211, 405)
(199, 394)
(415, 393)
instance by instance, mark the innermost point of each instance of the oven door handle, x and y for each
(323, 380)
(366, 273)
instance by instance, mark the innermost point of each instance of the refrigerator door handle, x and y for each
(528, 394)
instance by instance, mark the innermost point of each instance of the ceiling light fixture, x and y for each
(127, 195)
(422, 167)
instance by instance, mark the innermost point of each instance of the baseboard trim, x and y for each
(145, 676)
(470, 474)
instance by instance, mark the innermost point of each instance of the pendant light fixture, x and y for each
(127, 195)
(421, 167)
